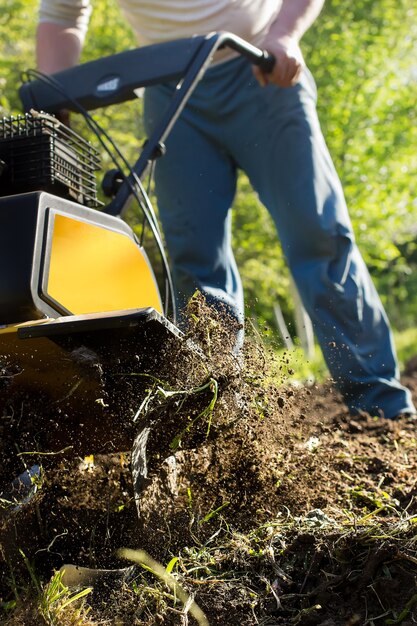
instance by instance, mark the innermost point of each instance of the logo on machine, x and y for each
(108, 85)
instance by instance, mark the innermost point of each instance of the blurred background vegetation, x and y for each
(364, 59)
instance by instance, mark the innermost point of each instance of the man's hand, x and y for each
(288, 63)
(282, 41)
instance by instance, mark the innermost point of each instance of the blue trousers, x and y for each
(273, 135)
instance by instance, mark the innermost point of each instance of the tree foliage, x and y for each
(363, 57)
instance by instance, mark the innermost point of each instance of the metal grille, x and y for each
(40, 153)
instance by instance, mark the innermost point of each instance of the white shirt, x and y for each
(155, 21)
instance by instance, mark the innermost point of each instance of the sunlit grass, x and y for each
(406, 342)
(294, 364)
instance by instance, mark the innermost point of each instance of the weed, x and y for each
(59, 606)
(148, 563)
(52, 603)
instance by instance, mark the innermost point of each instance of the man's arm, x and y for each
(294, 19)
(57, 47)
(60, 36)
(61, 32)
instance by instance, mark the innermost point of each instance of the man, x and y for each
(266, 125)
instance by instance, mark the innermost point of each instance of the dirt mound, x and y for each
(270, 504)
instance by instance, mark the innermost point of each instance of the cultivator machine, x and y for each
(85, 300)
(81, 310)
(80, 301)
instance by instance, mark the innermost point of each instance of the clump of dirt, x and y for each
(271, 504)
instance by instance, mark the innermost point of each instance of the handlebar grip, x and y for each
(266, 62)
(261, 58)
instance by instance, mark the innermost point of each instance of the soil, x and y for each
(270, 502)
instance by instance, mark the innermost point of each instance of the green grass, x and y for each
(406, 342)
(295, 365)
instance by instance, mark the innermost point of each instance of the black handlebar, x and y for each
(256, 56)
(115, 78)
(266, 63)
